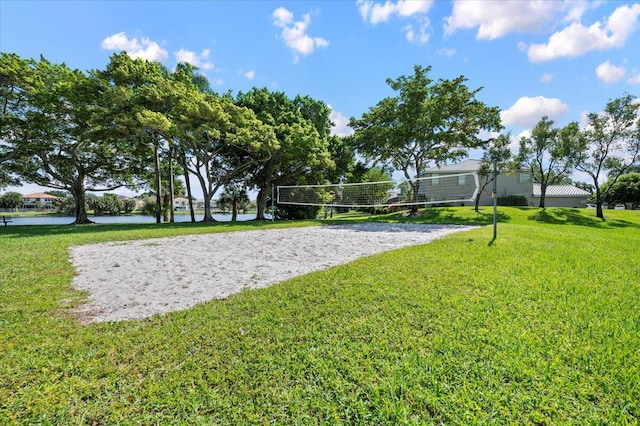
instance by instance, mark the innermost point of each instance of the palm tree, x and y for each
(234, 196)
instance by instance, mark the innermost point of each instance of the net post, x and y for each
(273, 204)
(495, 199)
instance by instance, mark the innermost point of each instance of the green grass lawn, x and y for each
(540, 326)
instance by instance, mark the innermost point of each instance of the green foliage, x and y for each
(106, 205)
(513, 200)
(508, 333)
(611, 144)
(129, 206)
(294, 212)
(10, 200)
(625, 190)
(550, 153)
(427, 123)
(301, 155)
(64, 204)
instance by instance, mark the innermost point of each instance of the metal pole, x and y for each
(495, 199)
(273, 203)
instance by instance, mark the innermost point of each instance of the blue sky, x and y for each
(556, 58)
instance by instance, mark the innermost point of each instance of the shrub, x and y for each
(513, 200)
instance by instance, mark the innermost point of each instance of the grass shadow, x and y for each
(26, 231)
(450, 216)
(568, 216)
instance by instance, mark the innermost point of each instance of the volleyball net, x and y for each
(431, 190)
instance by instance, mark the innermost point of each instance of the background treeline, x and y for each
(138, 124)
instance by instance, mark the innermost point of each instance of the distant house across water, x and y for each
(38, 201)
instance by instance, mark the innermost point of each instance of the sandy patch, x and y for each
(136, 279)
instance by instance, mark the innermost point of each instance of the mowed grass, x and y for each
(540, 326)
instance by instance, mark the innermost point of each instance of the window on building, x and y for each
(435, 179)
(462, 180)
(524, 178)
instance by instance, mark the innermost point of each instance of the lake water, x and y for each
(65, 220)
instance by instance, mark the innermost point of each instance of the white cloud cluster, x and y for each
(249, 75)
(526, 112)
(340, 124)
(546, 77)
(143, 49)
(420, 34)
(498, 18)
(608, 73)
(294, 33)
(194, 59)
(577, 39)
(375, 13)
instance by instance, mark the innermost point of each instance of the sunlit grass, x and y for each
(542, 326)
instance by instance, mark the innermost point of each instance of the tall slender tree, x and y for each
(611, 145)
(427, 123)
(498, 153)
(224, 141)
(549, 153)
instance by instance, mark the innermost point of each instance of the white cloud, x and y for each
(576, 39)
(250, 74)
(194, 59)
(294, 33)
(634, 79)
(446, 52)
(340, 124)
(498, 18)
(419, 35)
(143, 49)
(375, 13)
(546, 77)
(608, 73)
(528, 111)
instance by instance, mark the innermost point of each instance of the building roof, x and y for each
(465, 166)
(560, 191)
(40, 195)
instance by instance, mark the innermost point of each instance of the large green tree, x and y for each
(72, 142)
(147, 96)
(18, 86)
(625, 190)
(223, 142)
(10, 200)
(427, 123)
(611, 145)
(302, 129)
(549, 153)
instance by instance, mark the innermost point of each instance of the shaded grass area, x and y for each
(541, 327)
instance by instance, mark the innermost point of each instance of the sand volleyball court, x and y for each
(137, 279)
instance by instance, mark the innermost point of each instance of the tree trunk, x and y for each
(208, 217)
(234, 210)
(414, 207)
(261, 202)
(188, 184)
(543, 194)
(599, 200)
(166, 210)
(79, 196)
(171, 189)
(158, 185)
